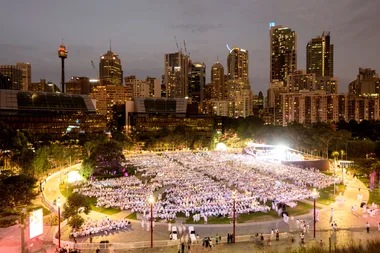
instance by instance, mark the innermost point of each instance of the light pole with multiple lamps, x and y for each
(151, 201)
(59, 222)
(315, 195)
(234, 216)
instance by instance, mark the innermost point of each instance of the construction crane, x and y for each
(176, 42)
(93, 65)
(184, 44)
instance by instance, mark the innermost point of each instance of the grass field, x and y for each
(132, 216)
(67, 190)
(326, 195)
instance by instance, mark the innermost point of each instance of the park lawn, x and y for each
(210, 220)
(326, 195)
(108, 211)
(257, 216)
(67, 191)
(132, 216)
(301, 208)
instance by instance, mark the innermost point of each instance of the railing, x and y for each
(146, 244)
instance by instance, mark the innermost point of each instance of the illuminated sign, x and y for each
(271, 24)
(36, 223)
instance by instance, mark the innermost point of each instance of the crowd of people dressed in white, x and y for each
(105, 225)
(204, 184)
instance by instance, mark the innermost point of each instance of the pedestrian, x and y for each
(321, 243)
(262, 239)
(216, 239)
(272, 234)
(277, 236)
(302, 235)
(228, 238)
(367, 226)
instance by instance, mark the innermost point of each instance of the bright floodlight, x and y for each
(221, 147)
(74, 176)
(151, 199)
(315, 193)
(282, 148)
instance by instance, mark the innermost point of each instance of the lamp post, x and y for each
(22, 218)
(59, 221)
(151, 201)
(315, 195)
(234, 216)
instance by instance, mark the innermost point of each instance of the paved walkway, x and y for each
(342, 215)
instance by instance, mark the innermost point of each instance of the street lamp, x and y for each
(22, 218)
(59, 222)
(315, 195)
(151, 201)
(234, 216)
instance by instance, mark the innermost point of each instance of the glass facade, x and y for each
(55, 114)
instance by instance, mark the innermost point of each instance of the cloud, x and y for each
(197, 28)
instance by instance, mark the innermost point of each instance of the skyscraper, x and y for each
(238, 87)
(283, 53)
(176, 75)
(320, 56)
(237, 63)
(26, 74)
(197, 82)
(367, 82)
(78, 85)
(217, 80)
(13, 75)
(154, 87)
(110, 70)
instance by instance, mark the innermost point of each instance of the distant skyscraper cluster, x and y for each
(294, 94)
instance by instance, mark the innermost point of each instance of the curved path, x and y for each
(342, 215)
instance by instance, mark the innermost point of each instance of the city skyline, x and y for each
(141, 41)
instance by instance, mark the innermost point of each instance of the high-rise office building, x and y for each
(110, 69)
(44, 86)
(14, 75)
(300, 80)
(217, 80)
(176, 75)
(237, 63)
(5, 83)
(283, 53)
(26, 74)
(237, 86)
(367, 82)
(139, 88)
(154, 87)
(320, 56)
(78, 85)
(107, 97)
(197, 82)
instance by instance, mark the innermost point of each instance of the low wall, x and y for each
(322, 165)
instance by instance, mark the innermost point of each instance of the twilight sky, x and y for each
(142, 31)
